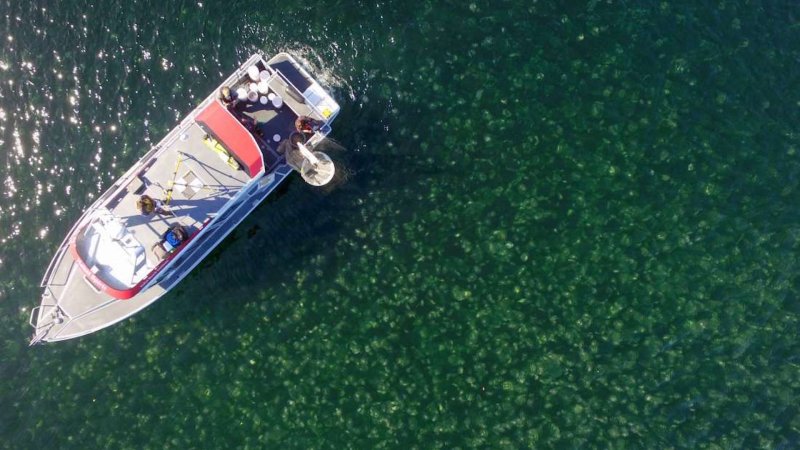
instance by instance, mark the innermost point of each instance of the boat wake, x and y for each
(324, 71)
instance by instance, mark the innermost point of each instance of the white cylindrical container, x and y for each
(263, 87)
(277, 101)
(241, 93)
(252, 96)
(264, 75)
(263, 100)
(253, 73)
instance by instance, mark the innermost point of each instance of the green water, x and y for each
(565, 226)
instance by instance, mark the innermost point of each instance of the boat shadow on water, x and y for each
(295, 234)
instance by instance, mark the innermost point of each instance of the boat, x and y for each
(144, 234)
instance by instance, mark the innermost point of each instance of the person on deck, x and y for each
(227, 97)
(307, 125)
(170, 240)
(174, 236)
(147, 205)
(235, 104)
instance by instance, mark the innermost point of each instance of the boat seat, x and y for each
(115, 230)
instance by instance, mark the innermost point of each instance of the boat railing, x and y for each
(36, 316)
(33, 314)
(43, 330)
(61, 249)
(38, 336)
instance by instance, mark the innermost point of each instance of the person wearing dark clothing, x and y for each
(307, 125)
(226, 95)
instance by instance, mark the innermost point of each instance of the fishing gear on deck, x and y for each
(172, 181)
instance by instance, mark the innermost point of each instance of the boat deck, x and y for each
(200, 183)
(112, 245)
(120, 243)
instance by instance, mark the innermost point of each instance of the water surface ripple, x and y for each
(565, 226)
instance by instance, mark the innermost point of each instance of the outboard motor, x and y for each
(314, 166)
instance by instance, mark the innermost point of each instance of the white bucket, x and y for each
(263, 87)
(252, 96)
(264, 75)
(241, 93)
(277, 101)
(252, 72)
(263, 100)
